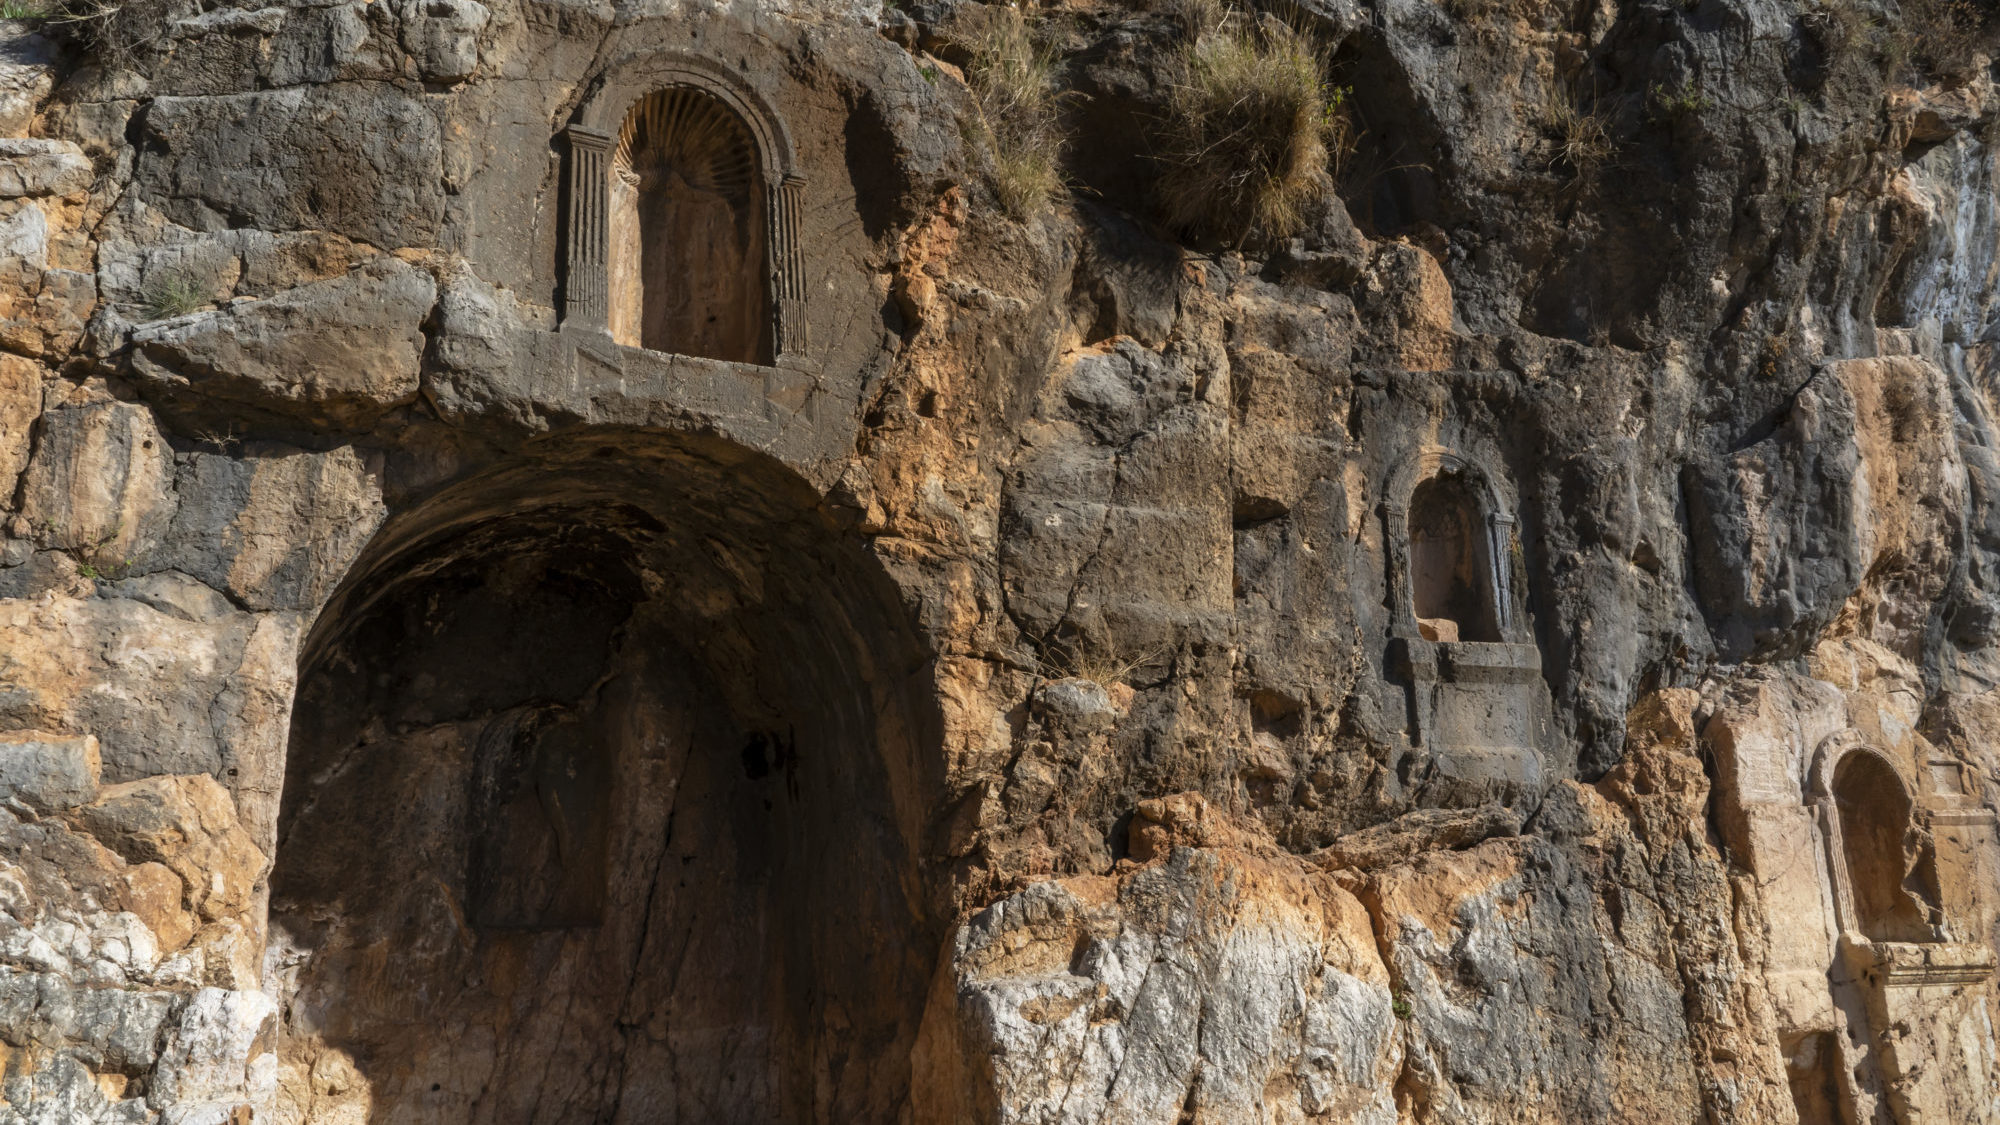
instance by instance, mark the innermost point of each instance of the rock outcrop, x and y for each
(612, 561)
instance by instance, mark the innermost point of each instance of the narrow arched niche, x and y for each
(1874, 811)
(688, 260)
(1451, 573)
(604, 780)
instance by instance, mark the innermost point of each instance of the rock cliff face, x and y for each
(589, 561)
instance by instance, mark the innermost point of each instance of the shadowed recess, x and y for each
(601, 805)
(1450, 573)
(1874, 824)
(688, 213)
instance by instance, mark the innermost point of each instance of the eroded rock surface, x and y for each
(1525, 647)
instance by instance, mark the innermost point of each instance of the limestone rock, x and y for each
(47, 772)
(27, 74)
(172, 653)
(99, 481)
(1424, 830)
(342, 351)
(1214, 983)
(42, 167)
(348, 159)
(273, 530)
(188, 824)
(20, 405)
(442, 36)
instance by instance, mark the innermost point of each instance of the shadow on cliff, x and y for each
(603, 800)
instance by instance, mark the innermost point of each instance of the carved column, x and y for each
(1410, 656)
(788, 274)
(1499, 550)
(586, 300)
(1396, 542)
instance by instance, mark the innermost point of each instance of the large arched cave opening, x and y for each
(601, 804)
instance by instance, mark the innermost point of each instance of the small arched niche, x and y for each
(681, 231)
(1883, 873)
(1459, 644)
(1452, 579)
(688, 249)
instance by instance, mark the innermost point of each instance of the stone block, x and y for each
(48, 772)
(275, 529)
(42, 167)
(363, 161)
(187, 823)
(442, 36)
(20, 405)
(27, 74)
(98, 481)
(341, 351)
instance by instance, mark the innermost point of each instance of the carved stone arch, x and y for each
(722, 101)
(1866, 801)
(1834, 747)
(615, 733)
(1496, 527)
(607, 105)
(1430, 462)
(1476, 700)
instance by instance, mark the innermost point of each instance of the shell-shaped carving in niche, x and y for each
(688, 243)
(681, 131)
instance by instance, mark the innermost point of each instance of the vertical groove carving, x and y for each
(584, 280)
(788, 268)
(1500, 540)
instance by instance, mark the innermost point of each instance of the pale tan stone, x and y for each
(99, 481)
(20, 404)
(189, 824)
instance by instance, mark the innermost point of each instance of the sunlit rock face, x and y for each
(581, 563)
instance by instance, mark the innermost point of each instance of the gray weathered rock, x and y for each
(360, 161)
(341, 351)
(48, 772)
(42, 167)
(99, 482)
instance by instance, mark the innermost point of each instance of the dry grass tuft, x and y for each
(1014, 81)
(1107, 668)
(1195, 18)
(1945, 37)
(1583, 136)
(1252, 132)
(169, 295)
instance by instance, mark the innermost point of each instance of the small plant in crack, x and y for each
(172, 294)
(1674, 102)
(1583, 135)
(103, 571)
(1106, 667)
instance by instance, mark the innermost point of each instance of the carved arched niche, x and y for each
(683, 217)
(1874, 834)
(1884, 869)
(687, 245)
(1452, 576)
(1452, 549)
(1459, 636)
